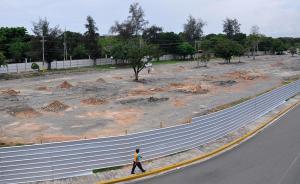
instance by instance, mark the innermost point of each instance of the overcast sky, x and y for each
(274, 17)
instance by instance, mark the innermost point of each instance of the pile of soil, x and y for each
(189, 88)
(42, 88)
(101, 80)
(225, 83)
(242, 75)
(65, 85)
(118, 78)
(26, 113)
(55, 106)
(93, 101)
(137, 92)
(10, 92)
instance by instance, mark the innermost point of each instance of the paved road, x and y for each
(271, 157)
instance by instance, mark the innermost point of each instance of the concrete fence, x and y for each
(26, 67)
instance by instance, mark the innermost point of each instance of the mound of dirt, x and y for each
(225, 83)
(55, 106)
(137, 92)
(65, 85)
(10, 92)
(42, 88)
(189, 88)
(93, 101)
(245, 75)
(26, 113)
(101, 80)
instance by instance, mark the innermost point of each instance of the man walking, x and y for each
(137, 161)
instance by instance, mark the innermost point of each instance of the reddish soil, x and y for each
(94, 101)
(55, 106)
(65, 85)
(10, 92)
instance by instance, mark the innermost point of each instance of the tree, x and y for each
(17, 50)
(226, 48)
(151, 34)
(185, 49)
(137, 18)
(53, 48)
(293, 51)
(75, 44)
(168, 42)
(125, 29)
(91, 39)
(138, 56)
(9, 36)
(278, 46)
(119, 52)
(133, 25)
(205, 58)
(193, 29)
(79, 52)
(2, 60)
(231, 27)
(265, 44)
(254, 38)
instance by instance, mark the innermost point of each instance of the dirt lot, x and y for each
(71, 106)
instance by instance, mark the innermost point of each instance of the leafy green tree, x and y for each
(265, 44)
(151, 34)
(75, 42)
(53, 48)
(193, 29)
(168, 42)
(278, 46)
(17, 50)
(79, 52)
(107, 43)
(185, 49)
(138, 56)
(91, 39)
(2, 60)
(231, 27)
(119, 52)
(9, 36)
(293, 51)
(226, 48)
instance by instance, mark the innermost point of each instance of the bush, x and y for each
(35, 66)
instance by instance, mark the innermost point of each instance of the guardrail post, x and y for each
(161, 124)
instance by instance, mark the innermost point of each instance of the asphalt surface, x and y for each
(271, 157)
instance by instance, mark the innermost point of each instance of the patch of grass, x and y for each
(167, 62)
(291, 79)
(106, 169)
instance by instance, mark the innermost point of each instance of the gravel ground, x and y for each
(71, 106)
(165, 161)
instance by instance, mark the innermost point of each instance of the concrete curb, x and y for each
(206, 156)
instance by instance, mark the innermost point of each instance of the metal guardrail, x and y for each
(75, 158)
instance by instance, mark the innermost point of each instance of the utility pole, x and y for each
(65, 46)
(43, 48)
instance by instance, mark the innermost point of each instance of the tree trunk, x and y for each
(136, 74)
(49, 66)
(95, 62)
